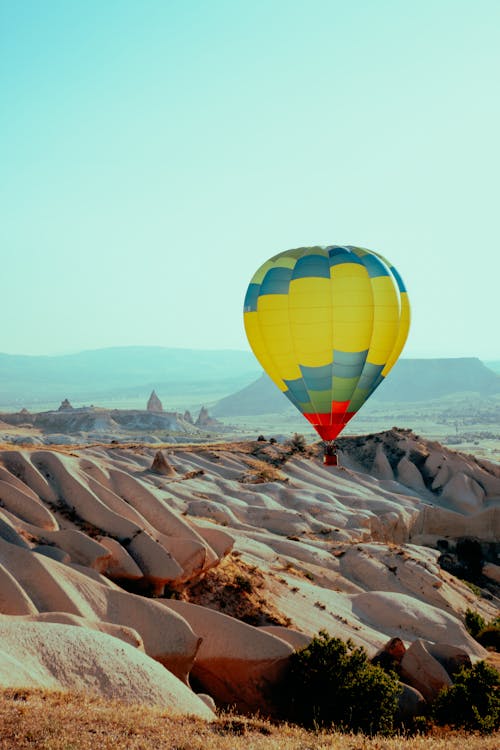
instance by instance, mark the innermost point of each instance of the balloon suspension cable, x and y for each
(330, 454)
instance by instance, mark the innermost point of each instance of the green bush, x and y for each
(489, 637)
(486, 633)
(332, 683)
(472, 702)
(474, 622)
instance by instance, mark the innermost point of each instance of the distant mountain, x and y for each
(124, 371)
(494, 365)
(422, 379)
(410, 380)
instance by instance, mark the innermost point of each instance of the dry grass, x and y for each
(260, 471)
(236, 589)
(57, 721)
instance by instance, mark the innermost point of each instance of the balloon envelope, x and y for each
(327, 324)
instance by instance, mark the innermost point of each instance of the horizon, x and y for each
(405, 355)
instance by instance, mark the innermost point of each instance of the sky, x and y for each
(154, 154)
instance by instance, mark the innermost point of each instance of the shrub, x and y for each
(474, 622)
(486, 633)
(298, 443)
(472, 702)
(332, 683)
(489, 637)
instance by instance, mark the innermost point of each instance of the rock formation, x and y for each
(65, 406)
(160, 465)
(423, 672)
(84, 531)
(51, 656)
(154, 403)
(205, 421)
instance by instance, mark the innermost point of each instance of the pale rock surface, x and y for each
(208, 701)
(347, 565)
(492, 571)
(435, 523)
(20, 469)
(464, 492)
(220, 541)
(120, 564)
(451, 658)
(13, 598)
(423, 672)
(381, 466)
(157, 513)
(9, 534)
(51, 656)
(53, 552)
(295, 638)
(81, 548)
(409, 570)
(409, 619)
(52, 586)
(153, 559)
(236, 663)
(27, 508)
(129, 635)
(409, 475)
(436, 465)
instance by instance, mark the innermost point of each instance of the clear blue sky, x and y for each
(155, 153)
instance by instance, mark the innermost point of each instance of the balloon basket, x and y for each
(330, 459)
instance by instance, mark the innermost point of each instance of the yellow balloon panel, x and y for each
(353, 333)
(254, 335)
(352, 307)
(386, 311)
(274, 325)
(348, 271)
(309, 293)
(404, 327)
(310, 316)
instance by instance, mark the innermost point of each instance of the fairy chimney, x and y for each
(160, 465)
(154, 403)
(204, 419)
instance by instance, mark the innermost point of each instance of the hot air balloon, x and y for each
(327, 324)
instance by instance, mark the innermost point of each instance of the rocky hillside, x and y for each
(215, 562)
